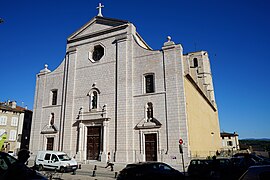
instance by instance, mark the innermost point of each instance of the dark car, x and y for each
(7, 161)
(218, 168)
(199, 168)
(261, 172)
(239, 166)
(257, 160)
(149, 170)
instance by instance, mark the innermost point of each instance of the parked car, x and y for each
(199, 168)
(55, 160)
(239, 166)
(149, 170)
(7, 161)
(217, 168)
(261, 172)
(257, 160)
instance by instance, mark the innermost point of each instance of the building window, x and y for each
(12, 135)
(149, 111)
(149, 83)
(94, 100)
(195, 62)
(14, 121)
(3, 120)
(2, 131)
(54, 96)
(229, 143)
(98, 53)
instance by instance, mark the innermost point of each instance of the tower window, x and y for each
(149, 83)
(195, 62)
(54, 97)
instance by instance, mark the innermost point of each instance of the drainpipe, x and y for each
(116, 92)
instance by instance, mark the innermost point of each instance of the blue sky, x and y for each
(236, 35)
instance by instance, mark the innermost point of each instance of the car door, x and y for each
(55, 162)
(47, 161)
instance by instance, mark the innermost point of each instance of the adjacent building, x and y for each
(229, 141)
(113, 93)
(15, 121)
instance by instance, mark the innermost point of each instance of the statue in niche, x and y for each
(149, 112)
(52, 119)
(52, 122)
(94, 100)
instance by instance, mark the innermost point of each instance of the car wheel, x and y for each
(40, 167)
(62, 169)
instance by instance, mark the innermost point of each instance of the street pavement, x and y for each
(86, 172)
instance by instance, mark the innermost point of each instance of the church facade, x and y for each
(113, 93)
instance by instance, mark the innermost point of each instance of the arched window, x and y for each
(195, 62)
(149, 111)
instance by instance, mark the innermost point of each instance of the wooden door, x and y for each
(151, 147)
(93, 142)
(50, 142)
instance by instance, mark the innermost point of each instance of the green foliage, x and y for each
(256, 144)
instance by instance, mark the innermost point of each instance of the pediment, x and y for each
(97, 25)
(148, 124)
(49, 129)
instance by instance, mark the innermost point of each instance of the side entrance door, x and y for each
(93, 142)
(151, 147)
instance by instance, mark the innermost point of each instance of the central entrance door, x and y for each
(151, 147)
(93, 142)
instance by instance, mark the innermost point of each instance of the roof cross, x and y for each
(99, 9)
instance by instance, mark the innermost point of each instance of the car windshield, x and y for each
(64, 157)
(5, 161)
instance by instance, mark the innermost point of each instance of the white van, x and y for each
(55, 160)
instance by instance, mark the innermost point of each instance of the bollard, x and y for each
(50, 177)
(115, 175)
(112, 167)
(95, 168)
(94, 173)
(80, 166)
(73, 173)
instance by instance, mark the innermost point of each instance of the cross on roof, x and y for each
(99, 9)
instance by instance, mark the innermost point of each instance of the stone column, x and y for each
(105, 141)
(81, 140)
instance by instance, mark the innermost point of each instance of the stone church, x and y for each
(113, 93)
